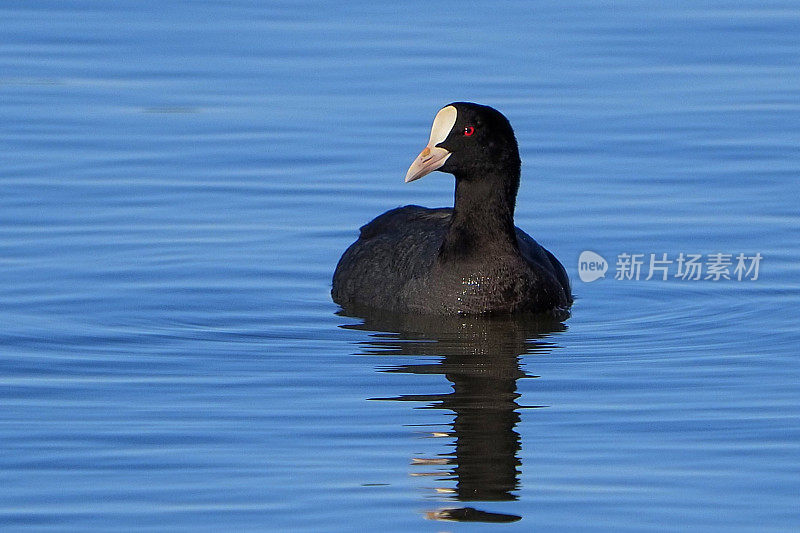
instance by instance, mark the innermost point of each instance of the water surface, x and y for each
(177, 182)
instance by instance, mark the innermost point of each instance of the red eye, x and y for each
(468, 131)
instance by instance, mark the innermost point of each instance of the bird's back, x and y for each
(396, 248)
(393, 266)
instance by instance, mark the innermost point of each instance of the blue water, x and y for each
(178, 180)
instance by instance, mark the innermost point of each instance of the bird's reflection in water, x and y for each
(481, 359)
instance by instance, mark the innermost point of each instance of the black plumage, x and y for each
(470, 259)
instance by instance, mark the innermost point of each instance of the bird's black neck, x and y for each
(483, 215)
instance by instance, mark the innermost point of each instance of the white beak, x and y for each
(433, 157)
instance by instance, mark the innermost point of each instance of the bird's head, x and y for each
(469, 141)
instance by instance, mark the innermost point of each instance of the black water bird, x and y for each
(470, 259)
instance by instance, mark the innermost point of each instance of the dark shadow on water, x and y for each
(480, 357)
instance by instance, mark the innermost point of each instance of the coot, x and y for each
(470, 259)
